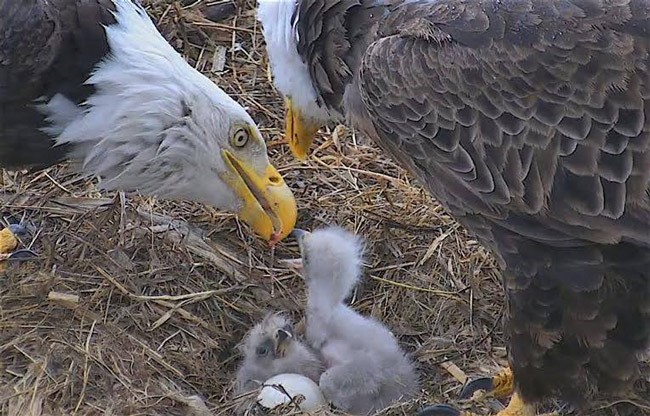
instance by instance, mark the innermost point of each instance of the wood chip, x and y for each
(66, 300)
(455, 371)
(219, 59)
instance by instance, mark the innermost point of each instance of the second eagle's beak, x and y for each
(299, 132)
(269, 205)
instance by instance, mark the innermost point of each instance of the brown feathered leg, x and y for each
(516, 407)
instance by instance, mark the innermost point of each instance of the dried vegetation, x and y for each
(135, 306)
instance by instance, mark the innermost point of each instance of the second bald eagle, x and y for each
(530, 122)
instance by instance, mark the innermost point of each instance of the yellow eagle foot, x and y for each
(500, 386)
(516, 407)
(8, 244)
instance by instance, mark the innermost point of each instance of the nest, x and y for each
(135, 306)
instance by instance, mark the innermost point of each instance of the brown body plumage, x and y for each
(530, 122)
(46, 48)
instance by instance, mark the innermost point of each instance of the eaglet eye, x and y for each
(240, 138)
(262, 350)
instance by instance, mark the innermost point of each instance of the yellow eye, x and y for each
(240, 138)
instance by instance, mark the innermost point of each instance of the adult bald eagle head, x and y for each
(95, 82)
(530, 122)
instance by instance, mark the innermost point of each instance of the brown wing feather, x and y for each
(549, 123)
(530, 122)
(331, 36)
(46, 47)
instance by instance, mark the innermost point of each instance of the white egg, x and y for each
(294, 384)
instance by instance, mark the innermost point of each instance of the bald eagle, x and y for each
(93, 81)
(530, 122)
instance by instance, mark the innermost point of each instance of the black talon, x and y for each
(22, 254)
(483, 383)
(439, 410)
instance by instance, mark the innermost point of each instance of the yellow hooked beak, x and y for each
(300, 133)
(269, 206)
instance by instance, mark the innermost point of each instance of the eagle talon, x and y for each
(471, 387)
(439, 410)
(22, 255)
(500, 386)
(516, 407)
(9, 242)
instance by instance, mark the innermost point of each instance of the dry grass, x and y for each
(132, 310)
